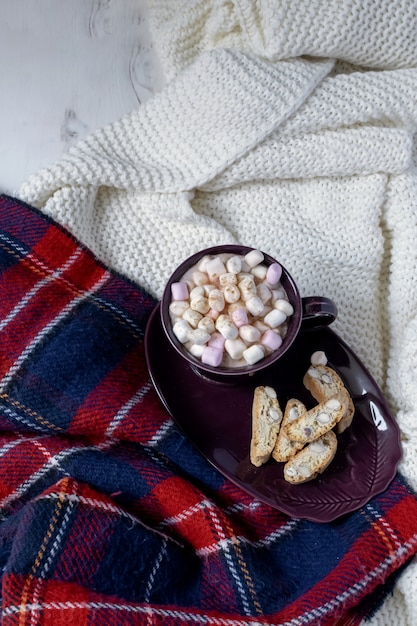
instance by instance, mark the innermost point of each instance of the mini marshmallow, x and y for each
(227, 279)
(275, 318)
(234, 264)
(254, 257)
(197, 350)
(271, 340)
(247, 288)
(216, 300)
(178, 307)
(203, 262)
(196, 292)
(278, 293)
(179, 291)
(259, 271)
(236, 305)
(198, 336)
(192, 317)
(255, 306)
(318, 358)
(200, 278)
(231, 294)
(200, 304)
(249, 333)
(284, 306)
(253, 354)
(181, 330)
(207, 324)
(260, 325)
(211, 356)
(189, 282)
(207, 288)
(214, 268)
(225, 326)
(240, 317)
(273, 274)
(264, 292)
(213, 314)
(235, 348)
(217, 341)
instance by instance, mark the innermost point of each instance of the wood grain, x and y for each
(66, 69)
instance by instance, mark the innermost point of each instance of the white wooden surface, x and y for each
(67, 67)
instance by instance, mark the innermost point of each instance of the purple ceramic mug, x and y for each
(309, 313)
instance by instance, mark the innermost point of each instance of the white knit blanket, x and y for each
(286, 126)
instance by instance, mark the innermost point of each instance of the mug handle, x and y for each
(318, 311)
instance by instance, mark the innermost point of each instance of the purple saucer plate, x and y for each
(217, 418)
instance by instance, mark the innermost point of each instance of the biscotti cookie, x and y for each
(323, 383)
(285, 448)
(266, 421)
(318, 420)
(311, 460)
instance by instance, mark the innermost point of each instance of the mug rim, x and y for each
(294, 323)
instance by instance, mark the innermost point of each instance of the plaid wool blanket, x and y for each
(108, 513)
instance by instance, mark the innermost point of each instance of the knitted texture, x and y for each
(370, 34)
(286, 126)
(109, 514)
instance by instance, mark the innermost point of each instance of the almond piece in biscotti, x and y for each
(266, 421)
(311, 460)
(285, 448)
(323, 383)
(318, 420)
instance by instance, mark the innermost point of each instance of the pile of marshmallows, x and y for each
(230, 310)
